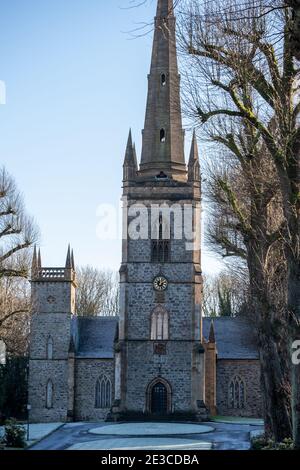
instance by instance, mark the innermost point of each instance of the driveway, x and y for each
(124, 436)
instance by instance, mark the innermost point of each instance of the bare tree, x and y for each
(18, 233)
(295, 27)
(97, 292)
(244, 225)
(225, 294)
(242, 76)
(15, 304)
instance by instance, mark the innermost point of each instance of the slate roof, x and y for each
(95, 337)
(234, 338)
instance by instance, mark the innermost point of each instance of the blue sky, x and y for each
(75, 83)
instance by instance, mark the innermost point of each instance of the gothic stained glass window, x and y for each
(237, 392)
(242, 395)
(231, 395)
(103, 393)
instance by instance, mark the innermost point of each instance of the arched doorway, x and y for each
(159, 397)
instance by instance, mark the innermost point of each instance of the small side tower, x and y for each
(51, 343)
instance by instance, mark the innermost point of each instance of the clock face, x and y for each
(160, 283)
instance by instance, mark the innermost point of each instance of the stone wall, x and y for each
(181, 365)
(174, 367)
(249, 371)
(40, 372)
(54, 325)
(87, 372)
(53, 304)
(53, 296)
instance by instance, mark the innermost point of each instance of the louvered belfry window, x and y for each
(160, 246)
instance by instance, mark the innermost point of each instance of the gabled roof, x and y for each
(235, 337)
(95, 337)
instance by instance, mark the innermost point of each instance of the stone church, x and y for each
(159, 357)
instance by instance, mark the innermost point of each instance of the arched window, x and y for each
(50, 348)
(163, 79)
(237, 393)
(49, 394)
(161, 243)
(159, 324)
(103, 393)
(162, 136)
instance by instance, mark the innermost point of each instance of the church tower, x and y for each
(51, 364)
(159, 357)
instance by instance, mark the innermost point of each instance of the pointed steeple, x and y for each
(194, 165)
(134, 156)
(68, 259)
(34, 264)
(39, 260)
(164, 8)
(130, 160)
(72, 260)
(212, 336)
(163, 135)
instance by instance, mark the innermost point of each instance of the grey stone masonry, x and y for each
(182, 364)
(53, 304)
(249, 372)
(87, 372)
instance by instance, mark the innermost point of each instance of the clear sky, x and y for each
(75, 83)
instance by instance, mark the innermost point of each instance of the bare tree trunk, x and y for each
(275, 386)
(293, 278)
(295, 404)
(294, 309)
(272, 345)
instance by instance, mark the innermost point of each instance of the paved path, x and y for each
(143, 443)
(77, 436)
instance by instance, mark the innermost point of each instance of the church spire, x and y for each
(39, 259)
(130, 160)
(69, 259)
(194, 165)
(34, 264)
(163, 136)
(72, 260)
(164, 8)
